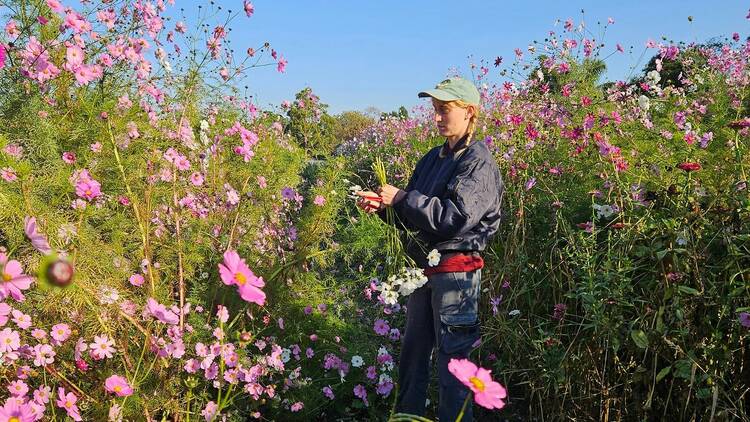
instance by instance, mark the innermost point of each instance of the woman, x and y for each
(452, 201)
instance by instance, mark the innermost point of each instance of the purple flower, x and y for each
(745, 319)
(381, 327)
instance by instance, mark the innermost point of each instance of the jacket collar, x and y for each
(458, 149)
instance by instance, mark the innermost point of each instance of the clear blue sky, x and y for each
(356, 54)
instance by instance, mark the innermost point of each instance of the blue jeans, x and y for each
(441, 313)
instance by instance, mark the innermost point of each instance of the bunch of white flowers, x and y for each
(401, 284)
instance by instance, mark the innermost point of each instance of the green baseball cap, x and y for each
(454, 89)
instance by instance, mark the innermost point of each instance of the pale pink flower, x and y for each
(43, 354)
(4, 312)
(18, 388)
(101, 347)
(60, 332)
(55, 6)
(319, 200)
(136, 280)
(21, 319)
(74, 56)
(10, 341)
(196, 178)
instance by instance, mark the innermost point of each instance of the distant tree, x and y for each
(401, 114)
(311, 125)
(350, 124)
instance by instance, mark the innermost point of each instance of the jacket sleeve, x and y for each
(466, 202)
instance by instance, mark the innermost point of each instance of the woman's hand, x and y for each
(391, 195)
(369, 201)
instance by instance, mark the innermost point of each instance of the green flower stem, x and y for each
(463, 408)
(138, 216)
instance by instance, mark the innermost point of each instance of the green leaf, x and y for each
(688, 290)
(640, 338)
(663, 373)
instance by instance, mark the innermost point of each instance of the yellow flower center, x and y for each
(477, 383)
(88, 191)
(240, 279)
(68, 404)
(117, 388)
(7, 277)
(8, 340)
(14, 419)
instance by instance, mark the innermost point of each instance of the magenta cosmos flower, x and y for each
(234, 271)
(12, 280)
(487, 393)
(118, 385)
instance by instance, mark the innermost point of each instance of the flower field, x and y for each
(169, 251)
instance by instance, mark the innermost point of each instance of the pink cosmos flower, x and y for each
(8, 174)
(281, 65)
(88, 189)
(296, 407)
(43, 354)
(487, 393)
(101, 347)
(68, 402)
(209, 411)
(41, 394)
(60, 332)
(55, 5)
(4, 312)
(161, 312)
(234, 271)
(196, 178)
(18, 388)
(16, 410)
(118, 385)
(319, 200)
(10, 341)
(74, 56)
(13, 279)
(69, 157)
(249, 9)
(136, 280)
(38, 241)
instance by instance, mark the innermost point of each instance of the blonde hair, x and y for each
(463, 104)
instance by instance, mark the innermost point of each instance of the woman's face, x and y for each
(452, 121)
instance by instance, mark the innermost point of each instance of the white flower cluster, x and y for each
(401, 284)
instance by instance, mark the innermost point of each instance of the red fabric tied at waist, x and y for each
(457, 262)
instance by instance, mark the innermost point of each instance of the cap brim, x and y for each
(438, 94)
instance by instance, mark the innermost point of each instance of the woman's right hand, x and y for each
(369, 201)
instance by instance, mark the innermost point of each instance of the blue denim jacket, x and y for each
(453, 201)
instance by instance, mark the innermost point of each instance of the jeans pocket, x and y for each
(458, 333)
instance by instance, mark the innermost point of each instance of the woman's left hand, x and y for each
(391, 195)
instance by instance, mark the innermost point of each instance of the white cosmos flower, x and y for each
(433, 258)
